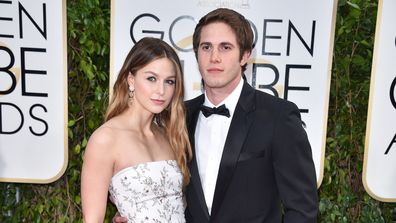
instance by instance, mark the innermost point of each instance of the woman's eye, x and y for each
(152, 79)
(171, 82)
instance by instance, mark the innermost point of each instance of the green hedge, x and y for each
(342, 196)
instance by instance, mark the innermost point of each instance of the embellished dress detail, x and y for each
(149, 192)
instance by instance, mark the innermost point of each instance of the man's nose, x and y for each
(215, 56)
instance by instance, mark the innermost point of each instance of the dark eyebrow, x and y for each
(226, 44)
(205, 43)
(221, 44)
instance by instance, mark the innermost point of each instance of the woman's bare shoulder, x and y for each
(105, 136)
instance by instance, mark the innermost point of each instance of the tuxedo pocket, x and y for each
(251, 155)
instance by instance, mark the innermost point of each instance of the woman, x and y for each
(140, 153)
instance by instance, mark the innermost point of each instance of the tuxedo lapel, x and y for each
(193, 113)
(237, 133)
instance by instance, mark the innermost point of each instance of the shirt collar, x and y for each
(231, 100)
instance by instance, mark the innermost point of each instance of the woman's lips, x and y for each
(158, 102)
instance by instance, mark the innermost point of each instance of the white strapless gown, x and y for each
(149, 192)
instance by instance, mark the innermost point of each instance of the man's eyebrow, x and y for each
(205, 43)
(222, 43)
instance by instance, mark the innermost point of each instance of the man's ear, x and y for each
(245, 58)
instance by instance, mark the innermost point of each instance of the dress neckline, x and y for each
(140, 164)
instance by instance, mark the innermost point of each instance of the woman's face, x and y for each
(154, 85)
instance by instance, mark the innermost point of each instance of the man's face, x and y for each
(218, 57)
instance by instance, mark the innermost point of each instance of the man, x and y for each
(257, 163)
(252, 162)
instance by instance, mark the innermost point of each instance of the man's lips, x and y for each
(214, 70)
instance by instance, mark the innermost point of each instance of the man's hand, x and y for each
(118, 219)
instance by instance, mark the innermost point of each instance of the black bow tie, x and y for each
(222, 110)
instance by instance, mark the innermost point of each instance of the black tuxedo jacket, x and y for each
(266, 171)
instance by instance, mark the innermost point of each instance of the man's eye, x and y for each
(226, 47)
(205, 47)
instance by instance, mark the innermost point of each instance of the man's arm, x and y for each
(294, 168)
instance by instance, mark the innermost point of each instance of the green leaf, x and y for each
(71, 123)
(77, 149)
(353, 5)
(84, 142)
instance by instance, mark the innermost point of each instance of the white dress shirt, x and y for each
(210, 137)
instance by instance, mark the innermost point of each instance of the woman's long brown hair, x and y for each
(171, 119)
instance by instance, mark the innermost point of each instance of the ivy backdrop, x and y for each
(342, 196)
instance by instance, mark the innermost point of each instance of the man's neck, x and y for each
(217, 95)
